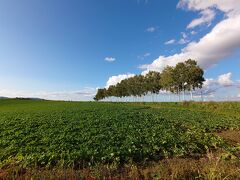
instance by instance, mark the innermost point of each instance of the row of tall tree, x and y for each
(184, 77)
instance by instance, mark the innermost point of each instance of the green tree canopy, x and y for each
(185, 76)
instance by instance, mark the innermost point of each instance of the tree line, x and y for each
(184, 77)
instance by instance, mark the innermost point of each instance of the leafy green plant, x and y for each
(79, 134)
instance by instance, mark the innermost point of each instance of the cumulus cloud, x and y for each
(172, 41)
(110, 59)
(151, 29)
(221, 42)
(225, 79)
(211, 86)
(116, 79)
(218, 44)
(229, 7)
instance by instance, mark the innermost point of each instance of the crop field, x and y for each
(78, 135)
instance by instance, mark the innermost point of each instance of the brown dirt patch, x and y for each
(3, 174)
(231, 136)
(207, 167)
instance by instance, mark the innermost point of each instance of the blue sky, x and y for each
(66, 49)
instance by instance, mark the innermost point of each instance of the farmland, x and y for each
(79, 135)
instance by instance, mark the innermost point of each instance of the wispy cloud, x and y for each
(184, 38)
(193, 32)
(144, 56)
(151, 29)
(207, 15)
(183, 41)
(85, 94)
(145, 1)
(172, 41)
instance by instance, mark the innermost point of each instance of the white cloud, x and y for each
(116, 79)
(144, 56)
(184, 39)
(238, 83)
(147, 54)
(229, 7)
(225, 80)
(172, 41)
(184, 35)
(221, 42)
(207, 15)
(209, 50)
(210, 82)
(151, 29)
(210, 86)
(85, 94)
(110, 59)
(193, 32)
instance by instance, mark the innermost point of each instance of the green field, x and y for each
(50, 134)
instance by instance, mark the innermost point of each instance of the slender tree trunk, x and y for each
(183, 92)
(178, 95)
(202, 96)
(191, 92)
(183, 95)
(152, 97)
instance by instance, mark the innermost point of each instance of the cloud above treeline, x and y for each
(116, 79)
(216, 45)
(221, 42)
(210, 86)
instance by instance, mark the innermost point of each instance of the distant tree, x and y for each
(152, 82)
(185, 76)
(179, 78)
(112, 91)
(194, 76)
(167, 81)
(101, 94)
